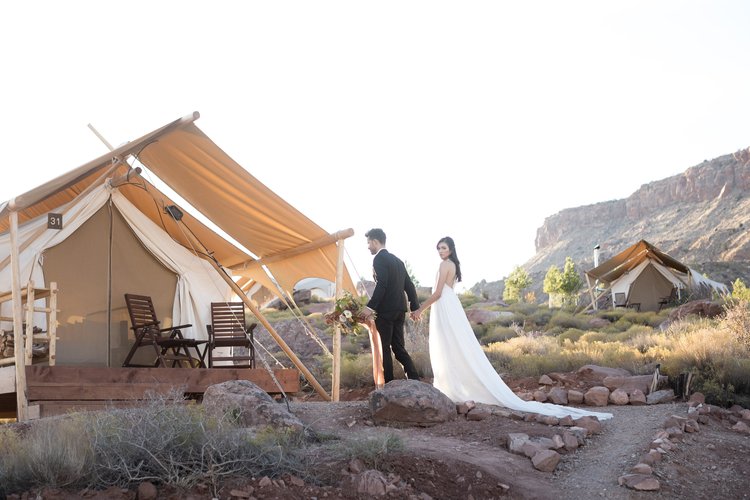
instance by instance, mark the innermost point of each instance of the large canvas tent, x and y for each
(644, 276)
(118, 237)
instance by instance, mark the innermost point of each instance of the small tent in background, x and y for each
(121, 235)
(644, 277)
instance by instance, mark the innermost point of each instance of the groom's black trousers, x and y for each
(391, 329)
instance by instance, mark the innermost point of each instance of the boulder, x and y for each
(558, 395)
(248, 405)
(410, 402)
(540, 396)
(639, 482)
(591, 424)
(663, 396)
(570, 440)
(601, 372)
(545, 460)
(546, 380)
(629, 384)
(619, 397)
(575, 397)
(481, 316)
(701, 308)
(516, 440)
(596, 396)
(637, 398)
(697, 398)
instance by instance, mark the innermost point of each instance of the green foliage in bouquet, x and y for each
(348, 314)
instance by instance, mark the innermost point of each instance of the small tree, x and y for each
(740, 291)
(571, 282)
(553, 284)
(515, 284)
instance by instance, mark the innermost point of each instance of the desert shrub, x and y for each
(571, 334)
(593, 337)
(356, 370)
(165, 441)
(51, 455)
(567, 320)
(275, 315)
(468, 299)
(497, 333)
(611, 315)
(371, 450)
(523, 309)
(505, 320)
(554, 331)
(648, 318)
(736, 320)
(542, 316)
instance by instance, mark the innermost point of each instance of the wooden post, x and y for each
(336, 366)
(29, 344)
(52, 323)
(21, 403)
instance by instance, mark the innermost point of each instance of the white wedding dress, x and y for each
(462, 371)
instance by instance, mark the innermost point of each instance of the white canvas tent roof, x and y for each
(180, 154)
(646, 275)
(283, 240)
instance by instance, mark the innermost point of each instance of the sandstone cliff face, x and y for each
(700, 217)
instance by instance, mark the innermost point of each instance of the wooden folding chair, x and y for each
(168, 343)
(228, 329)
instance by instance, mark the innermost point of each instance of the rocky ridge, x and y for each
(700, 217)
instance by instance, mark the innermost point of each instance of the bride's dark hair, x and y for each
(453, 257)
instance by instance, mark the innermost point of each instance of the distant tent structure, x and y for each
(644, 277)
(121, 234)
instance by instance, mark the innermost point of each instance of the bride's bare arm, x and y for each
(443, 273)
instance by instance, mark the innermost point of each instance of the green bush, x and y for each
(590, 337)
(567, 320)
(497, 333)
(571, 334)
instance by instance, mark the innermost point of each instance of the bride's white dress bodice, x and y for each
(462, 371)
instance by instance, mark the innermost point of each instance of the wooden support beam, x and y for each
(336, 366)
(52, 323)
(313, 245)
(21, 402)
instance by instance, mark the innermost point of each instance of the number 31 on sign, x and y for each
(54, 221)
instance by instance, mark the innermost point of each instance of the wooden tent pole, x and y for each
(319, 243)
(336, 367)
(284, 347)
(18, 344)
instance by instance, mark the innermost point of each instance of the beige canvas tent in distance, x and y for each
(118, 237)
(645, 278)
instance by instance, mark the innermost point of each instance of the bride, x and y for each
(461, 370)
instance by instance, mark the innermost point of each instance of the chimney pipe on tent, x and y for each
(596, 256)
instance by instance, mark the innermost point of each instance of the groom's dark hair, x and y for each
(376, 234)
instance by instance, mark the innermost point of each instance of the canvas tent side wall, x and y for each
(144, 260)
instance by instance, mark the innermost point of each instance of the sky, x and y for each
(473, 119)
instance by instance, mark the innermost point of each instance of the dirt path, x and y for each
(702, 464)
(592, 471)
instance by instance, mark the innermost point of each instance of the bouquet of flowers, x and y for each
(348, 314)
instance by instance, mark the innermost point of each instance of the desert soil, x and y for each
(469, 460)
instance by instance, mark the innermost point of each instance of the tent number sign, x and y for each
(54, 221)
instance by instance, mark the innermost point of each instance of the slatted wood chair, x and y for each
(228, 329)
(168, 343)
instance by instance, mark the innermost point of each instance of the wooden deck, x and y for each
(55, 390)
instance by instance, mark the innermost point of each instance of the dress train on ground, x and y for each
(462, 371)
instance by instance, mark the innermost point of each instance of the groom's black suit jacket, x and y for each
(392, 280)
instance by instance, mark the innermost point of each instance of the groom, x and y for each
(392, 285)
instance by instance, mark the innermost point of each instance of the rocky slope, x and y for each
(700, 217)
